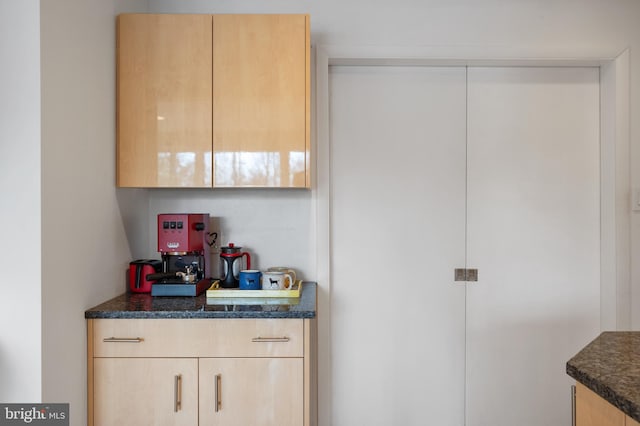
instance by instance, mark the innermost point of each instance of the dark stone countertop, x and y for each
(610, 366)
(136, 305)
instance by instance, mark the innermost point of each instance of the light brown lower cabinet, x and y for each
(145, 391)
(251, 391)
(592, 410)
(258, 372)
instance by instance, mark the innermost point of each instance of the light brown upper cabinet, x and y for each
(213, 101)
(164, 101)
(261, 100)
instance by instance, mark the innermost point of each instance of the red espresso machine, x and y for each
(182, 243)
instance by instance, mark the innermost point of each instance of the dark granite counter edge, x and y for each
(194, 315)
(141, 306)
(623, 404)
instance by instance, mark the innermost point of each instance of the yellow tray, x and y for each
(216, 291)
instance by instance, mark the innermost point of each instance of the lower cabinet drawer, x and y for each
(197, 337)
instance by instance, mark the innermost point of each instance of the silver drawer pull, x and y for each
(573, 405)
(270, 339)
(216, 392)
(177, 393)
(123, 340)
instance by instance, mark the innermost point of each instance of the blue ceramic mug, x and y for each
(250, 279)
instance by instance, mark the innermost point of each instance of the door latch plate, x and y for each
(462, 274)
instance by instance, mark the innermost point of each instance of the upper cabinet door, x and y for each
(164, 100)
(261, 74)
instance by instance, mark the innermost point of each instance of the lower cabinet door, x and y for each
(145, 391)
(592, 410)
(251, 391)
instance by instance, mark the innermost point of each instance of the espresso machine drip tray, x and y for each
(178, 288)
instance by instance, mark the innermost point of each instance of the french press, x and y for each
(231, 265)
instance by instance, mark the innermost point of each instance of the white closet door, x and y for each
(397, 233)
(533, 232)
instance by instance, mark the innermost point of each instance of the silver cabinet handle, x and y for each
(270, 339)
(177, 392)
(216, 393)
(123, 340)
(573, 405)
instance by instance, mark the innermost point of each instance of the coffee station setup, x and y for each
(195, 276)
(200, 331)
(191, 263)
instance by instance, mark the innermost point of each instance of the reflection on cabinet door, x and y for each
(164, 100)
(261, 100)
(145, 391)
(251, 391)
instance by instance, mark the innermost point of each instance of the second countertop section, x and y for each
(610, 366)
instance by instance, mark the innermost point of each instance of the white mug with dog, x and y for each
(276, 280)
(284, 269)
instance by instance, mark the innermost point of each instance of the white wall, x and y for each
(85, 250)
(90, 230)
(20, 348)
(275, 226)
